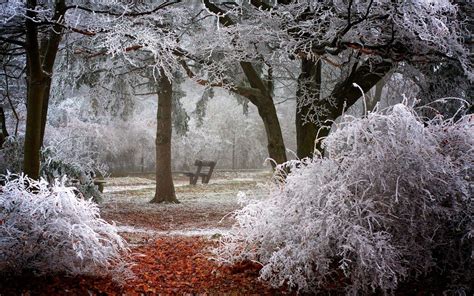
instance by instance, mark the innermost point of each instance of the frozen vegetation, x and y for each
(391, 201)
(48, 230)
(91, 89)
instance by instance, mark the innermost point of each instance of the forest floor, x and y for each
(204, 209)
(174, 241)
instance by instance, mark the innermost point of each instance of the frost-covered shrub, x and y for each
(46, 229)
(56, 163)
(392, 201)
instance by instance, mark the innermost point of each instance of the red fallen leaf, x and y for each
(150, 290)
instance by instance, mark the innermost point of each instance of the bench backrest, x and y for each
(204, 163)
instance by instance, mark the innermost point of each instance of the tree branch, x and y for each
(366, 76)
(13, 41)
(252, 94)
(224, 19)
(130, 14)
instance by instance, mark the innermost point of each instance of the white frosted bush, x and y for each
(47, 229)
(390, 202)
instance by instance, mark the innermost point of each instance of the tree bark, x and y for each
(366, 76)
(31, 162)
(309, 87)
(40, 62)
(377, 95)
(275, 144)
(49, 50)
(3, 129)
(268, 114)
(35, 77)
(164, 192)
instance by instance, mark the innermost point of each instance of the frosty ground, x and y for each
(204, 209)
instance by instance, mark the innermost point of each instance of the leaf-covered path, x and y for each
(171, 243)
(167, 266)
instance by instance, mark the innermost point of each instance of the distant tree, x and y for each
(258, 86)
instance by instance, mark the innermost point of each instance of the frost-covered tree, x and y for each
(163, 64)
(339, 43)
(147, 41)
(37, 27)
(363, 41)
(213, 62)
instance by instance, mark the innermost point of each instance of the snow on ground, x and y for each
(204, 209)
(208, 232)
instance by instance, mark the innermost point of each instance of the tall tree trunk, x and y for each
(40, 62)
(3, 128)
(309, 88)
(275, 144)
(268, 114)
(164, 180)
(31, 161)
(263, 102)
(49, 50)
(44, 109)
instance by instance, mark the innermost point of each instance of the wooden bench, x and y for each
(100, 184)
(98, 181)
(204, 170)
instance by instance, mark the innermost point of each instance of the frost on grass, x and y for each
(46, 229)
(392, 201)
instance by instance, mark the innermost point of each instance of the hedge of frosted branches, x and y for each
(47, 229)
(390, 202)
